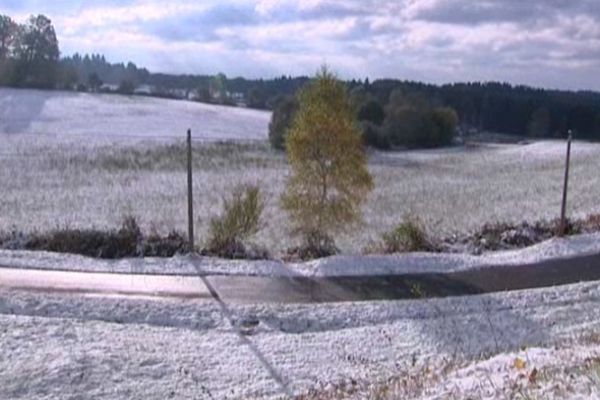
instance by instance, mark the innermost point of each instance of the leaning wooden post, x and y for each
(190, 192)
(563, 212)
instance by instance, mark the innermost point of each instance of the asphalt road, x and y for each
(246, 289)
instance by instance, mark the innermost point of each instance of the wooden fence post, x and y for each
(190, 193)
(563, 211)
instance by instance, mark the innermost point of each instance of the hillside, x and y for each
(24, 111)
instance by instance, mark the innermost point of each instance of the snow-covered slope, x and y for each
(60, 346)
(102, 115)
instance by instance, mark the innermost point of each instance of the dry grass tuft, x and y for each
(241, 219)
(407, 236)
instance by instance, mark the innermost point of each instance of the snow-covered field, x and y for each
(103, 115)
(67, 181)
(542, 343)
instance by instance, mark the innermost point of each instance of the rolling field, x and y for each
(106, 115)
(80, 177)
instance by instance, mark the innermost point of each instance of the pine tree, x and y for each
(330, 179)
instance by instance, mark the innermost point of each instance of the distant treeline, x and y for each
(500, 107)
(491, 107)
(29, 57)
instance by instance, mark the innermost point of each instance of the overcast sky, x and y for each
(548, 43)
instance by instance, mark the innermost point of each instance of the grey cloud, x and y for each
(336, 10)
(201, 26)
(467, 12)
(441, 42)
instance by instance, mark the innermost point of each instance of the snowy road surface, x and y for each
(103, 283)
(303, 289)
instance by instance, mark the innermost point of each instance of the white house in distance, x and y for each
(109, 87)
(145, 90)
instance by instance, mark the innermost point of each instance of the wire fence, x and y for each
(96, 189)
(131, 139)
(142, 136)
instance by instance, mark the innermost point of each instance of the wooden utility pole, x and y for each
(563, 212)
(190, 192)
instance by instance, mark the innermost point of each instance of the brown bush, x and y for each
(127, 241)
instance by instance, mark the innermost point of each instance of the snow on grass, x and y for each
(53, 181)
(58, 182)
(106, 115)
(58, 345)
(557, 373)
(569, 372)
(333, 266)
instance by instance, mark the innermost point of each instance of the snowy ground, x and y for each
(85, 161)
(332, 266)
(484, 346)
(106, 115)
(56, 182)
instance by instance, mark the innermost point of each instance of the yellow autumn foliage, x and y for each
(330, 180)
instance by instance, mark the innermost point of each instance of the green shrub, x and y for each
(407, 236)
(371, 111)
(241, 219)
(375, 136)
(413, 122)
(281, 120)
(446, 121)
